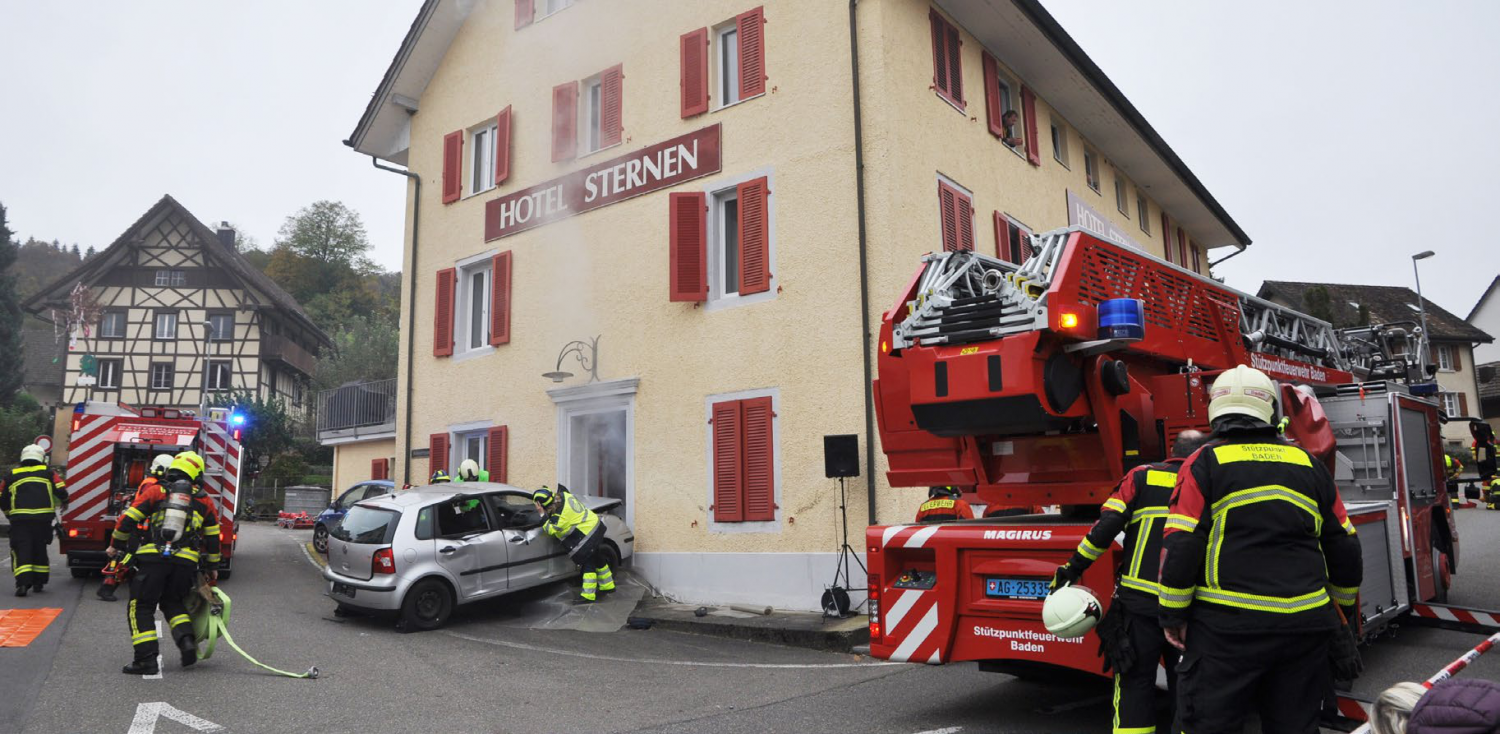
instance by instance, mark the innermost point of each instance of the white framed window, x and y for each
(470, 445)
(728, 60)
(472, 301)
(1059, 143)
(161, 376)
(221, 327)
(1091, 168)
(109, 374)
(593, 114)
(1446, 358)
(548, 7)
(1450, 404)
(166, 325)
(726, 212)
(112, 325)
(482, 149)
(1121, 202)
(218, 374)
(1141, 211)
(171, 278)
(725, 242)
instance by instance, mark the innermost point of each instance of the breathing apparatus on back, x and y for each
(180, 487)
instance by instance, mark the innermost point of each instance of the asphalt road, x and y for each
(483, 674)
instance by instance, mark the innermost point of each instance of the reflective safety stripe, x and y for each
(32, 569)
(1344, 595)
(1159, 478)
(179, 619)
(215, 558)
(150, 549)
(120, 535)
(1245, 497)
(1260, 603)
(1175, 598)
(1147, 513)
(1349, 527)
(1181, 522)
(1139, 555)
(211, 530)
(1114, 504)
(1139, 584)
(33, 511)
(1089, 550)
(1272, 452)
(143, 637)
(135, 514)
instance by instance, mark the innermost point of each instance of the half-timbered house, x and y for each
(172, 314)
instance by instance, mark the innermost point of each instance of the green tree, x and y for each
(330, 234)
(20, 422)
(269, 429)
(12, 362)
(364, 348)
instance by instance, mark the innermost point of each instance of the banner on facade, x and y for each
(1082, 215)
(665, 164)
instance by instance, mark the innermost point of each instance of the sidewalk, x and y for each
(798, 629)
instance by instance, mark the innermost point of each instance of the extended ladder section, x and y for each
(965, 297)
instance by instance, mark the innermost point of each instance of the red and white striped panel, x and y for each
(222, 476)
(908, 536)
(91, 456)
(911, 615)
(1457, 614)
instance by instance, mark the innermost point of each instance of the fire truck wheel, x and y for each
(224, 574)
(81, 573)
(1440, 577)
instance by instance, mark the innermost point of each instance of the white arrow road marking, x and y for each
(147, 714)
(157, 674)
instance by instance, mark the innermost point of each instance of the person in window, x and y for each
(582, 536)
(1008, 130)
(944, 504)
(469, 471)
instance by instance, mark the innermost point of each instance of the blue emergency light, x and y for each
(1122, 319)
(237, 419)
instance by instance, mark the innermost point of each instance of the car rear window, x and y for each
(366, 525)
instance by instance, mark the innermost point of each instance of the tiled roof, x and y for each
(1380, 304)
(39, 349)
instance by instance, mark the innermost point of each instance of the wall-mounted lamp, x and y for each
(587, 360)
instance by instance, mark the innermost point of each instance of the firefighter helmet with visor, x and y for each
(1243, 391)
(160, 465)
(33, 452)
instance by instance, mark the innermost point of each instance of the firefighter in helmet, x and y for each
(182, 539)
(30, 497)
(944, 504)
(1259, 559)
(118, 568)
(1132, 641)
(1484, 450)
(1492, 494)
(1451, 469)
(469, 471)
(439, 476)
(582, 535)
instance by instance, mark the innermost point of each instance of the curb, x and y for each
(760, 629)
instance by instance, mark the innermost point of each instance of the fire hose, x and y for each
(1462, 662)
(209, 608)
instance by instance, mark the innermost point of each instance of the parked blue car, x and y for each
(339, 507)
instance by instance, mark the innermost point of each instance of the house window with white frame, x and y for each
(1446, 358)
(1121, 202)
(218, 375)
(1059, 143)
(1091, 169)
(1141, 209)
(474, 305)
(161, 376)
(726, 241)
(548, 7)
(171, 278)
(109, 374)
(112, 325)
(166, 325)
(471, 445)
(729, 64)
(482, 158)
(221, 327)
(1451, 404)
(593, 114)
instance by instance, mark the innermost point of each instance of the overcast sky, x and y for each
(1342, 136)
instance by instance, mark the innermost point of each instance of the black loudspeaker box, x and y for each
(841, 455)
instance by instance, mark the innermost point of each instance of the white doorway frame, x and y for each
(592, 399)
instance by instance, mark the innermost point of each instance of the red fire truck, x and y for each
(998, 379)
(110, 449)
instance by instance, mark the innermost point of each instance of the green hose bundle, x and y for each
(209, 609)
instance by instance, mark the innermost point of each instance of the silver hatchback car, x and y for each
(423, 551)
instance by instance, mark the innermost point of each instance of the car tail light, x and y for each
(384, 561)
(874, 607)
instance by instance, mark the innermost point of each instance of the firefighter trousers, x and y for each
(597, 575)
(1223, 677)
(163, 584)
(1135, 689)
(29, 538)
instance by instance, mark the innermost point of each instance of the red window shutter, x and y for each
(453, 166)
(437, 452)
(1028, 116)
(1181, 248)
(1022, 240)
(688, 247)
(611, 92)
(760, 464)
(965, 215)
(992, 110)
(500, 299)
(694, 52)
(497, 453)
(955, 65)
(755, 236)
(1196, 262)
(379, 469)
(1166, 236)
(525, 12)
(502, 146)
(750, 29)
(728, 443)
(1458, 362)
(1002, 237)
(564, 122)
(948, 215)
(1463, 402)
(442, 314)
(939, 52)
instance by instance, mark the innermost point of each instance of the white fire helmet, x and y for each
(1071, 611)
(1243, 391)
(33, 452)
(468, 470)
(160, 464)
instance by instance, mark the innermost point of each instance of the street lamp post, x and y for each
(1423, 345)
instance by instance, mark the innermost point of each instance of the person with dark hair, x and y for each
(944, 504)
(1129, 636)
(1008, 134)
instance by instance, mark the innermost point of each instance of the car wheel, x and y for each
(611, 556)
(320, 539)
(426, 606)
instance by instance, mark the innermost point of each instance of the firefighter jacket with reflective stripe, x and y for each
(1452, 467)
(33, 489)
(201, 542)
(943, 509)
(572, 523)
(1257, 540)
(1139, 508)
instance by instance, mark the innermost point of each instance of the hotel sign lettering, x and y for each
(665, 164)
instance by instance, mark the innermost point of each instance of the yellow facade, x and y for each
(351, 461)
(605, 272)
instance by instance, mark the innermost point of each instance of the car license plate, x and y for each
(343, 589)
(1012, 588)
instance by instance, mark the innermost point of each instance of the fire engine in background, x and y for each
(112, 446)
(1042, 384)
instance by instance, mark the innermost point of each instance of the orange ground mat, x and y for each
(18, 627)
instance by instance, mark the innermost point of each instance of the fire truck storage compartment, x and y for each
(127, 473)
(1381, 598)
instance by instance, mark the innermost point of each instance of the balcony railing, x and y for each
(361, 409)
(284, 350)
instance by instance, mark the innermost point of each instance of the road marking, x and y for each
(147, 714)
(157, 674)
(946, 730)
(308, 554)
(658, 661)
